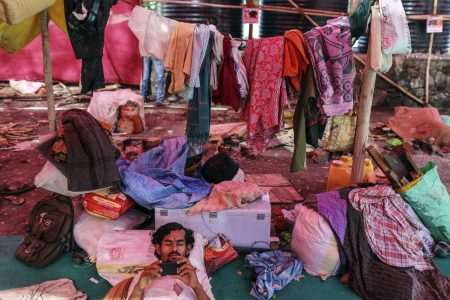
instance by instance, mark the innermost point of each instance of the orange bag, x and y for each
(218, 253)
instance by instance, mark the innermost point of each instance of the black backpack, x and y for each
(50, 231)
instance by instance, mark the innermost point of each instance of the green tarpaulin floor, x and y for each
(231, 282)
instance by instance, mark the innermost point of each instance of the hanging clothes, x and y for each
(199, 110)
(200, 43)
(216, 63)
(359, 18)
(179, 56)
(87, 39)
(263, 111)
(391, 232)
(331, 57)
(227, 92)
(152, 30)
(239, 69)
(296, 61)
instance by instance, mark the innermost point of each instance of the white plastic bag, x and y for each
(378, 60)
(89, 229)
(396, 38)
(51, 179)
(104, 106)
(314, 242)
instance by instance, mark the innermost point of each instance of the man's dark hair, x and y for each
(211, 20)
(166, 229)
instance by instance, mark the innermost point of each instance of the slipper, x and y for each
(5, 191)
(442, 249)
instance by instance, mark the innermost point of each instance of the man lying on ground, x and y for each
(173, 244)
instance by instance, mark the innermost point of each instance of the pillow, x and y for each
(89, 229)
(122, 254)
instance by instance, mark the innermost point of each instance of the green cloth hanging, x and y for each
(358, 19)
(199, 109)
(308, 94)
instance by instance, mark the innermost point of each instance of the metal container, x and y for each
(229, 20)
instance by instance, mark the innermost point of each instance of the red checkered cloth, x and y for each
(391, 233)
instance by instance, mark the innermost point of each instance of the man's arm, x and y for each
(187, 274)
(150, 273)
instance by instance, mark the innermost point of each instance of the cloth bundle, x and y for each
(275, 269)
(157, 178)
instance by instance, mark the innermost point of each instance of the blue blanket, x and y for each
(157, 178)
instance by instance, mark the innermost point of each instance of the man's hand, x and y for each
(186, 273)
(150, 273)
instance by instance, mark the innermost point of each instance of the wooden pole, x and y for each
(363, 122)
(427, 70)
(250, 4)
(48, 71)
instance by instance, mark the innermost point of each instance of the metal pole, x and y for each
(48, 71)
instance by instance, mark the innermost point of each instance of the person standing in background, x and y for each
(158, 66)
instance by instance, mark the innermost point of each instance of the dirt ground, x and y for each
(18, 167)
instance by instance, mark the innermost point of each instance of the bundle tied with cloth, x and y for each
(83, 152)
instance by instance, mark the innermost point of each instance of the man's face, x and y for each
(173, 246)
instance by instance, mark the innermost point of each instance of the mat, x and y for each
(230, 282)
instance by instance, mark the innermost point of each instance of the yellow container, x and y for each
(340, 172)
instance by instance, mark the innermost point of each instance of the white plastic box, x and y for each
(247, 227)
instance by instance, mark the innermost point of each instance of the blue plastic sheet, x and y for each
(157, 178)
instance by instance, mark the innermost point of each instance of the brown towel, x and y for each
(179, 56)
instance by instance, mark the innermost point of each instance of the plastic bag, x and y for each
(431, 202)
(315, 243)
(342, 134)
(89, 229)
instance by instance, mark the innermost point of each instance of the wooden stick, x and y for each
(391, 82)
(362, 124)
(427, 70)
(424, 17)
(48, 71)
(302, 11)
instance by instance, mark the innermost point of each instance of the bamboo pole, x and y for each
(48, 71)
(427, 70)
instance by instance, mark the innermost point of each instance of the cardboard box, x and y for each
(247, 227)
(107, 205)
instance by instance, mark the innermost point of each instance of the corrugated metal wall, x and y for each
(276, 23)
(229, 20)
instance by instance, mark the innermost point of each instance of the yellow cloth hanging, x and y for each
(14, 38)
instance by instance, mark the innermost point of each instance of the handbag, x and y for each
(218, 253)
(342, 134)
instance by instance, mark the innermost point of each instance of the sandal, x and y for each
(442, 249)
